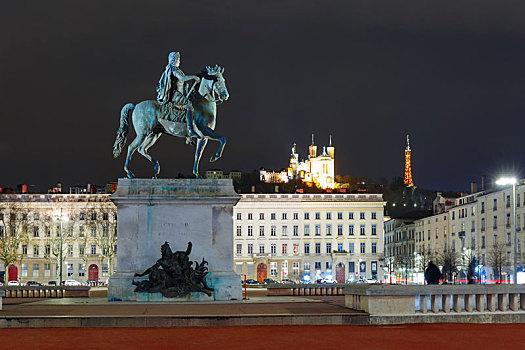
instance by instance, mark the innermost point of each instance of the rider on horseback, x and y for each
(174, 92)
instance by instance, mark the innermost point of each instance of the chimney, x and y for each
(473, 187)
(253, 188)
(483, 182)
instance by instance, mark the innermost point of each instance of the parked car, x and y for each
(72, 283)
(306, 279)
(13, 283)
(33, 283)
(252, 281)
(286, 280)
(269, 281)
(52, 283)
(329, 280)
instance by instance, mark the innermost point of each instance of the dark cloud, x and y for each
(366, 72)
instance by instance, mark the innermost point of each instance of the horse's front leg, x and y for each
(201, 143)
(208, 132)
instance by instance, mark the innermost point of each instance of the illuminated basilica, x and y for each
(317, 170)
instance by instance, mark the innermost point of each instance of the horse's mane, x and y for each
(204, 75)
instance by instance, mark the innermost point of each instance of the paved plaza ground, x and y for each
(416, 336)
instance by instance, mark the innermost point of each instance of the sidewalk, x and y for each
(257, 310)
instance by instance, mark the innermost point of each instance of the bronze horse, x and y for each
(147, 117)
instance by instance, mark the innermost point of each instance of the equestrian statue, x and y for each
(186, 106)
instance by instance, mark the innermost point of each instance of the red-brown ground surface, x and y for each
(420, 336)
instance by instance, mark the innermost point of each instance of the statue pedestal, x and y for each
(153, 211)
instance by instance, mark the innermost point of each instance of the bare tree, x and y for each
(405, 262)
(497, 257)
(13, 232)
(468, 263)
(106, 236)
(423, 258)
(60, 235)
(449, 260)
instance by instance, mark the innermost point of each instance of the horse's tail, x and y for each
(122, 132)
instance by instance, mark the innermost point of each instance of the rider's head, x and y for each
(174, 58)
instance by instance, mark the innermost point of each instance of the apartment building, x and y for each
(308, 237)
(36, 228)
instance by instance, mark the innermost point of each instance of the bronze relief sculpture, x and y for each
(173, 275)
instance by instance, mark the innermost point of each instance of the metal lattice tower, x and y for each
(408, 166)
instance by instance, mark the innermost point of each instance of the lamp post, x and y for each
(512, 181)
(61, 219)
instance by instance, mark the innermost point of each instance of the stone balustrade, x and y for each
(45, 291)
(305, 289)
(381, 299)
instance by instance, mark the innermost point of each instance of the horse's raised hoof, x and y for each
(213, 158)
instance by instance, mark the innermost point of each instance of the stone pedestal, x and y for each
(153, 211)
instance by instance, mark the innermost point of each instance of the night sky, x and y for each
(367, 72)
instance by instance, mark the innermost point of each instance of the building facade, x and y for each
(36, 228)
(309, 237)
(400, 259)
(476, 229)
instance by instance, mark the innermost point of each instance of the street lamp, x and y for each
(61, 219)
(504, 181)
